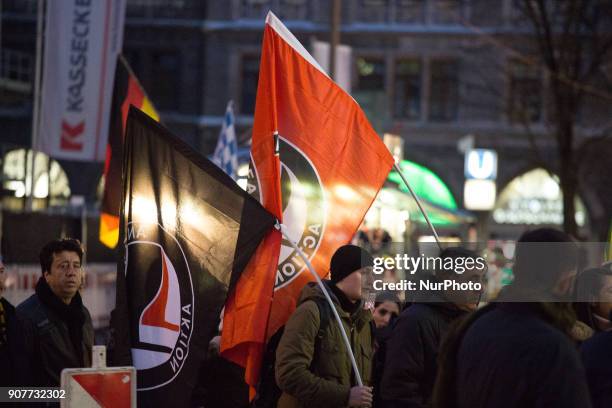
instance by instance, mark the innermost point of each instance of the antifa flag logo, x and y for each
(158, 275)
(189, 231)
(303, 200)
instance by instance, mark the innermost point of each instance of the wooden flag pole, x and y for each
(333, 308)
(399, 171)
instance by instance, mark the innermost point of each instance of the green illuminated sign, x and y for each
(425, 183)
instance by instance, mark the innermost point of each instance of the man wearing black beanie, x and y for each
(313, 367)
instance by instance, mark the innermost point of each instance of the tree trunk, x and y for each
(568, 175)
(568, 184)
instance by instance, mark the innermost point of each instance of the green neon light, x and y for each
(425, 183)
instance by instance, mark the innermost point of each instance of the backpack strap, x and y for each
(324, 319)
(324, 315)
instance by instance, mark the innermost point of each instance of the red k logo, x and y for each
(71, 136)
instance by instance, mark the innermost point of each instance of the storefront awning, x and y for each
(435, 196)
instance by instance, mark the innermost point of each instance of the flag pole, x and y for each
(333, 308)
(399, 171)
(36, 106)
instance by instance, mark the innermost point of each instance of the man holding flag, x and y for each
(312, 365)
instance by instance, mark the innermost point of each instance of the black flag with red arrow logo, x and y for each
(188, 232)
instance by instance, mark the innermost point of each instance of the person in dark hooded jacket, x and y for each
(55, 328)
(7, 335)
(412, 349)
(517, 352)
(317, 372)
(597, 357)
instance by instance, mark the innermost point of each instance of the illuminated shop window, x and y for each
(534, 198)
(50, 180)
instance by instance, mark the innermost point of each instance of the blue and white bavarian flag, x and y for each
(226, 152)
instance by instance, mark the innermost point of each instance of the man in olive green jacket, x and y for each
(317, 372)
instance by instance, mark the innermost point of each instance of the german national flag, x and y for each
(127, 91)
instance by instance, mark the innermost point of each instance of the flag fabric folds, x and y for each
(127, 91)
(188, 231)
(226, 152)
(328, 168)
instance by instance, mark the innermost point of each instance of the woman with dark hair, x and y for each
(594, 298)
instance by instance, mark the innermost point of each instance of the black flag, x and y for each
(188, 231)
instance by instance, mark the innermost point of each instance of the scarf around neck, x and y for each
(72, 315)
(345, 303)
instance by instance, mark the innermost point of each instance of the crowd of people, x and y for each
(549, 351)
(446, 351)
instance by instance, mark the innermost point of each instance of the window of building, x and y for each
(447, 11)
(49, 186)
(482, 14)
(534, 198)
(409, 11)
(408, 78)
(370, 74)
(444, 90)
(164, 8)
(254, 8)
(284, 9)
(249, 76)
(294, 9)
(525, 93)
(372, 11)
(165, 94)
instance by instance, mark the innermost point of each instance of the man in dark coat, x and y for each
(410, 366)
(55, 327)
(518, 352)
(7, 336)
(597, 357)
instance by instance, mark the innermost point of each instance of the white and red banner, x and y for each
(82, 41)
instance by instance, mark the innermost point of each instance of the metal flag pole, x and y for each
(399, 171)
(36, 107)
(333, 308)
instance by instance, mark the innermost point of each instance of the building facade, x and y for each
(431, 71)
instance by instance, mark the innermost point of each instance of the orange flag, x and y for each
(332, 164)
(247, 309)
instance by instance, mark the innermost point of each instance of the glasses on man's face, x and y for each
(383, 312)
